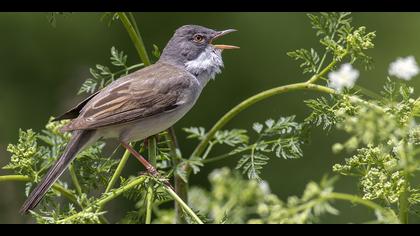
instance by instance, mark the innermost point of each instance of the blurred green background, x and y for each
(42, 68)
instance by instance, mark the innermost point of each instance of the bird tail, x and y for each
(78, 141)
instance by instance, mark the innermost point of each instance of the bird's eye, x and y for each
(198, 38)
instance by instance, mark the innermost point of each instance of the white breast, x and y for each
(206, 65)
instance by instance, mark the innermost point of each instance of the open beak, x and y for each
(222, 46)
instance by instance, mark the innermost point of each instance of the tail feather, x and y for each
(78, 141)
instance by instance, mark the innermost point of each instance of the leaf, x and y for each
(310, 59)
(257, 127)
(156, 52)
(103, 75)
(283, 137)
(89, 86)
(232, 137)
(195, 132)
(118, 58)
(322, 113)
(251, 165)
(327, 23)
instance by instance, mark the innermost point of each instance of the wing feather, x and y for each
(147, 92)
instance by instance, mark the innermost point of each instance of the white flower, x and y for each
(345, 77)
(404, 68)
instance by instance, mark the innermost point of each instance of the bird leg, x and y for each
(150, 168)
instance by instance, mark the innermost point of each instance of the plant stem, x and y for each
(134, 22)
(251, 101)
(129, 68)
(75, 180)
(135, 37)
(108, 197)
(403, 205)
(355, 199)
(316, 77)
(184, 206)
(221, 157)
(149, 198)
(231, 153)
(181, 187)
(149, 204)
(21, 178)
(118, 171)
(367, 92)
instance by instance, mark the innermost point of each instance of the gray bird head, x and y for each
(192, 46)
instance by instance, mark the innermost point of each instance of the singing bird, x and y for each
(143, 103)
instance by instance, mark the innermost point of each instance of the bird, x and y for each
(142, 103)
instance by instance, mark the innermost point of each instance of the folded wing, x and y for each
(147, 92)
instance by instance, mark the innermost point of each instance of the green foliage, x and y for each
(323, 114)
(156, 52)
(283, 137)
(310, 59)
(102, 75)
(233, 200)
(389, 141)
(93, 169)
(379, 173)
(53, 216)
(381, 148)
(298, 210)
(339, 39)
(35, 153)
(329, 23)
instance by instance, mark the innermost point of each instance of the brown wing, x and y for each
(147, 92)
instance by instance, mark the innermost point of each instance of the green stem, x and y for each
(251, 101)
(134, 22)
(118, 171)
(75, 180)
(232, 153)
(181, 187)
(221, 157)
(316, 77)
(136, 38)
(129, 68)
(149, 204)
(367, 92)
(207, 152)
(21, 178)
(355, 199)
(108, 197)
(184, 206)
(149, 197)
(403, 205)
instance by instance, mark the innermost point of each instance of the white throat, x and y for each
(206, 66)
